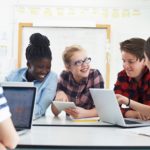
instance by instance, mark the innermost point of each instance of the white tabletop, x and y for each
(80, 137)
(63, 120)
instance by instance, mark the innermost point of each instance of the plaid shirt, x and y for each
(79, 92)
(129, 87)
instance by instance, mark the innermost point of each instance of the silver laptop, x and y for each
(109, 111)
(21, 100)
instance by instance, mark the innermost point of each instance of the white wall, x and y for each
(5, 35)
(127, 19)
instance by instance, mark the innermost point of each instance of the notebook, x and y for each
(21, 100)
(109, 111)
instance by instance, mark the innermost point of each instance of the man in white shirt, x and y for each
(8, 135)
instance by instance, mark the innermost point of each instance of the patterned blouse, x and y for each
(79, 92)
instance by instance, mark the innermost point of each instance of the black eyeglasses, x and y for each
(87, 60)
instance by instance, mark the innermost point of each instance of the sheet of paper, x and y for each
(140, 131)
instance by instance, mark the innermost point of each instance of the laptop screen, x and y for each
(21, 104)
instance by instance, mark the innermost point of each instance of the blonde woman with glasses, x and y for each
(75, 81)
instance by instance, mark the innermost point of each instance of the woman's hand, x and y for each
(77, 112)
(61, 96)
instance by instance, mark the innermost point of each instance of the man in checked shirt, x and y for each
(133, 83)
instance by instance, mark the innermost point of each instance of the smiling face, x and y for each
(79, 65)
(38, 69)
(132, 65)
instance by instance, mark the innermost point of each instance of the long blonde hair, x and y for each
(69, 52)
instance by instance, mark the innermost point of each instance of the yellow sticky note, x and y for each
(96, 119)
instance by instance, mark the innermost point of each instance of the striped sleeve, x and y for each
(4, 109)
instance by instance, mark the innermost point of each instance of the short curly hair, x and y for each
(38, 48)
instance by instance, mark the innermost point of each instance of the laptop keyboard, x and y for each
(131, 122)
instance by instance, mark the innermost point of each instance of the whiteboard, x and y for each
(92, 39)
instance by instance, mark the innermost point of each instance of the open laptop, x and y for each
(20, 98)
(109, 111)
